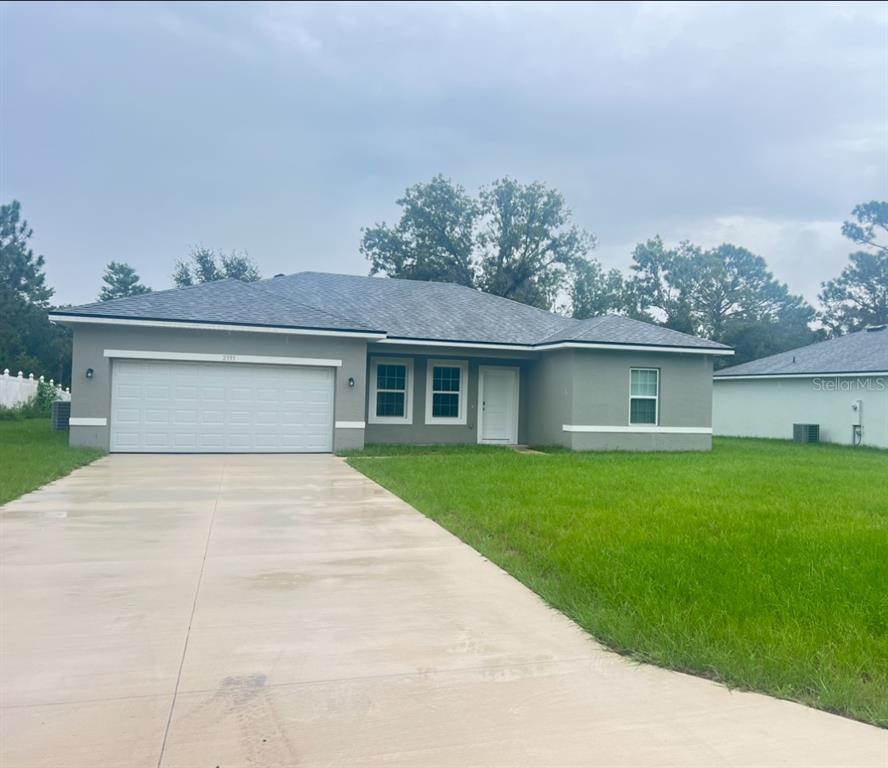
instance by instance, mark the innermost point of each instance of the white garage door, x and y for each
(160, 407)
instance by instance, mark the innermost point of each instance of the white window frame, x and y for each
(463, 366)
(407, 418)
(655, 398)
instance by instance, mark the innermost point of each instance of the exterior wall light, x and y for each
(89, 373)
(351, 381)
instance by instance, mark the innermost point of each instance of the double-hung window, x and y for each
(644, 395)
(446, 388)
(391, 389)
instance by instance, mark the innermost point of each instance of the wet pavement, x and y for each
(285, 610)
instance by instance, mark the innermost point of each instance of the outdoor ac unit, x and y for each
(806, 433)
(61, 412)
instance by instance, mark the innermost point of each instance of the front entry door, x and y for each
(498, 405)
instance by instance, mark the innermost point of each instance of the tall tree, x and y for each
(662, 283)
(872, 223)
(788, 328)
(433, 240)
(859, 295)
(204, 265)
(731, 284)
(28, 341)
(121, 280)
(594, 291)
(515, 240)
(20, 271)
(528, 244)
(725, 293)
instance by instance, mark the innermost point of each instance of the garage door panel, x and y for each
(238, 418)
(210, 407)
(182, 417)
(157, 440)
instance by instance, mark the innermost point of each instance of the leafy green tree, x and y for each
(20, 271)
(121, 280)
(515, 240)
(594, 291)
(238, 266)
(725, 293)
(28, 341)
(527, 244)
(662, 283)
(788, 328)
(731, 284)
(872, 223)
(858, 297)
(204, 265)
(434, 239)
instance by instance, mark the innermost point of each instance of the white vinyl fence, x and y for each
(18, 390)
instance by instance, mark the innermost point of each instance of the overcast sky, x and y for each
(130, 132)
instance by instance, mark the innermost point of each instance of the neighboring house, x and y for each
(314, 362)
(840, 384)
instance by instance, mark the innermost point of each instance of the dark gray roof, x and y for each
(860, 352)
(404, 309)
(223, 301)
(624, 330)
(413, 309)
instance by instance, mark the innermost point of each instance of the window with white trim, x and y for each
(391, 387)
(644, 394)
(446, 388)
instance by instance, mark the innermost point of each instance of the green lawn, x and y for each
(31, 455)
(762, 564)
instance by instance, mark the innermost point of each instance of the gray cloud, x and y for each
(132, 131)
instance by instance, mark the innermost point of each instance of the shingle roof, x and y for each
(860, 352)
(402, 309)
(416, 309)
(223, 301)
(624, 330)
(413, 309)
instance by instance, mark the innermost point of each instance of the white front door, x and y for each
(498, 405)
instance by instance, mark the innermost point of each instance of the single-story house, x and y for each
(840, 385)
(315, 362)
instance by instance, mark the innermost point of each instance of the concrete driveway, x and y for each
(284, 610)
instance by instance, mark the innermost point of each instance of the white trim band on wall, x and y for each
(211, 357)
(350, 425)
(87, 421)
(638, 429)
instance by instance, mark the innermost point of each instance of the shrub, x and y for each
(11, 414)
(38, 407)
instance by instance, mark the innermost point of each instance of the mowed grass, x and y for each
(31, 455)
(762, 564)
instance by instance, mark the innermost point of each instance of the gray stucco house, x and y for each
(316, 362)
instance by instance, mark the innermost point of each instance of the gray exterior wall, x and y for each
(420, 433)
(92, 397)
(550, 389)
(573, 387)
(591, 388)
